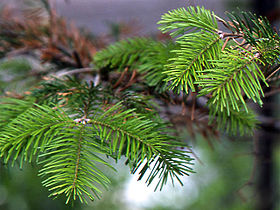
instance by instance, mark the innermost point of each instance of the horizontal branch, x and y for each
(74, 71)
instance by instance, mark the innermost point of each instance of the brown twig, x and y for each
(224, 45)
(183, 112)
(74, 71)
(121, 78)
(223, 22)
(274, 72)
(236, 42)
(193, 105)
(225, 34)
(130, 82)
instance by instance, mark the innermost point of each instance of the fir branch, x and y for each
(242, 122)
(180, 21)
(147, 56)
(28, 133)
(74, 124)
(198, 42)
(234, 74)
(269, 50)
(70, 148)
(192, 57)
(10, 108)
(166, 165)
(252, 27)
(155, 62)
(70, 165)
(123, 53)
(142, 140)
(258, 32)
(70, 92)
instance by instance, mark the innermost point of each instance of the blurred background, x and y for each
(226, 170)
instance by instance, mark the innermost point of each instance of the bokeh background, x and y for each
(224, 168)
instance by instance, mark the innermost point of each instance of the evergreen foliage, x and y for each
(258, 32)
(195, 30)
(123, 53)
(70, 147)
(10, 108)
(71, 127)
(153, 64)
(196, 49)
(226, 73)
(234, 74)
(192, 19)
(146, 55)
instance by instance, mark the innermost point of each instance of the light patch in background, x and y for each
(139, 196)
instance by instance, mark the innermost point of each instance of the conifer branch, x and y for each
(68, 148)
(193, 56)
(180, 21)
(234, 74)
(73, 125)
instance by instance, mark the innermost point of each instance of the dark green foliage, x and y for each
(153, 64)
(140, 103)
(122, 54)
(10, 108)
(258, 32)
(71, 93)
(253, 28)
(237, 122)
(146, 55)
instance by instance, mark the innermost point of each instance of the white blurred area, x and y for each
(138, 196)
